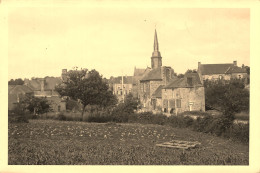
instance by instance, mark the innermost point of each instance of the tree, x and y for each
(88, 87)
(16, 82)
(180, 75)
(230, 97)
(35, 105)
(130, 103)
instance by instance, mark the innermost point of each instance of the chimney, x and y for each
(42, 84)
(199, 63)
(64, 71)
(235, 63)
(243, 65)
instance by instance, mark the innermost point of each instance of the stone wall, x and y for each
(183, 99)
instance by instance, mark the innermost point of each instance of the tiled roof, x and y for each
(236, 69)
(208, 69)
(139, 72)
(118, 80)
(49, 83)
(34, 84)
(136, 78)
(158, 92)
(183, 82)
(154, 74)
(19, 89)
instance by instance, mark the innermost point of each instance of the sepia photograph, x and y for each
(128, 85)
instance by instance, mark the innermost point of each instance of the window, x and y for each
(178, 103)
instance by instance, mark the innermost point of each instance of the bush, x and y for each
(148, 118)
(17, 115)
(239, 132)
(180, 121)
(99, 117)
(61, 117)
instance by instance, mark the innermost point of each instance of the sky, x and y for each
(44, 40)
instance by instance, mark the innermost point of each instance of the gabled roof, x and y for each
(139, 74)
(236, 69)
(49, 83)
(183, 82)
(158, 92)
(139, 71)
(118, 80)
(153, 74)
(19, 89)
(208, 69)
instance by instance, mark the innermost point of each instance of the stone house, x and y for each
(45, 87)
(184, 94)
(138, 74)
(16, 93)
(121, 86)
(221, 71)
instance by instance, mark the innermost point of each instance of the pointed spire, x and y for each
(156, 52)
(156, 45)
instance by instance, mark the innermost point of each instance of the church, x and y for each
(160, 90)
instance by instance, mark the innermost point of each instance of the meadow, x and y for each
(53, 142)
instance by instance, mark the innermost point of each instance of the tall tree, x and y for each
(87, 86)
(18, 81)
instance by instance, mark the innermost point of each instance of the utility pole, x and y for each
(123, 88)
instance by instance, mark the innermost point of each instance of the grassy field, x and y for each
(52, 142)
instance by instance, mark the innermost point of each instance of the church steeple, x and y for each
(156, 59)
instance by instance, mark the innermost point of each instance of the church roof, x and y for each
(139, 71)
(153, 74)
(184, 83)
(208, 69)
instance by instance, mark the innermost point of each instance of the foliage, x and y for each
(18, 81)
(230, 97)
(87, 86)
(180, 75)
(77, 143)
(123, 110)
(191, 71)
(36, 105)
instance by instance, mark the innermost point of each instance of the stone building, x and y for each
(184, 94)
(16, 93)
(45, 87)
(121, 86)
(153, 78)
(221, 71)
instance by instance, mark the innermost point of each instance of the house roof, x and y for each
(183, 82)
(49, 83)
(208, 69)
(158, 92)
(236, 69)
(118, 80)
(19, 89)
(153, 74)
